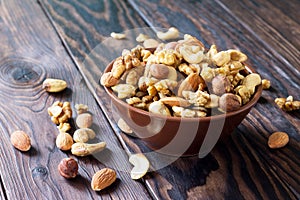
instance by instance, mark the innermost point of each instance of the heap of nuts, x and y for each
(182, 79)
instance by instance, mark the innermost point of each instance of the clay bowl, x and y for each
(181, 136)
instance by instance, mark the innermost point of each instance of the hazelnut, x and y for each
(159, 71)
(68, 168)
(229, 102)
(220, 85)
(84, 120)
(64, 141)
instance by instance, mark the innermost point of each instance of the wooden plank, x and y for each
(242, 167)
(275, 24)
(30, 52)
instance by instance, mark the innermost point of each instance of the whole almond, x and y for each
(159, 71)
(54, 85)
(191, 83)
(103, 178)
(175, 101)
(20, 140)
(278, 140)
(84, 120)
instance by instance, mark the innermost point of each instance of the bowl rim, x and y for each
(251, 103)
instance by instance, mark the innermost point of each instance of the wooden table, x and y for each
(52, 38)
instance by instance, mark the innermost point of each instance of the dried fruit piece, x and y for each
(84, 135)
(64, 141)
(141, 165)
(84, 120)
(20, 140)
(124, 126)
(84, 149)
(68, 168)
(103, 178)
(54, 85)
(278, 140)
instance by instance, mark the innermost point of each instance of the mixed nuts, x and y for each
(184, 71)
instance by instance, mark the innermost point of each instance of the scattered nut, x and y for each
(159, 71)
(185, 69)
(60, 112)
(84, 149)
(191, 83)
(220, 85)
(278, 140)
(124, 90)
(81, 108)
(229, 102)
(54, 85)
(266, 84)
(84, 120)
(118, 36)
(84, 135)
(64, 141)
(172, 33)
(68, 168)
(287, 104)
(124, 126)
(175, 101)
(141, 165)
(108, 80)
(142, 37)
(150, 43)
(64, 127)
(103, 178)
(158, 107)
(20, 140)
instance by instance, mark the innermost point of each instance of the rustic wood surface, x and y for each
(30, 52)
(241, 168)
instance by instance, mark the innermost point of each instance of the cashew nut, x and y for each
(118, 36)
(192, 54)
(172, 33)
(141, 165)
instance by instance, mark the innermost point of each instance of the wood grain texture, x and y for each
(30, 52)
(242, 167)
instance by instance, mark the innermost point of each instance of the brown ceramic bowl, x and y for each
(181, 136)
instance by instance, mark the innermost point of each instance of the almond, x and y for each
(20, 140)
(175, 101)
(278, 140)
(103, 178)
(191, 83)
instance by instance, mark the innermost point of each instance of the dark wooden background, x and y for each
(52, 38)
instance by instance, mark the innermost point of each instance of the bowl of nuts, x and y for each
(181, 98)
